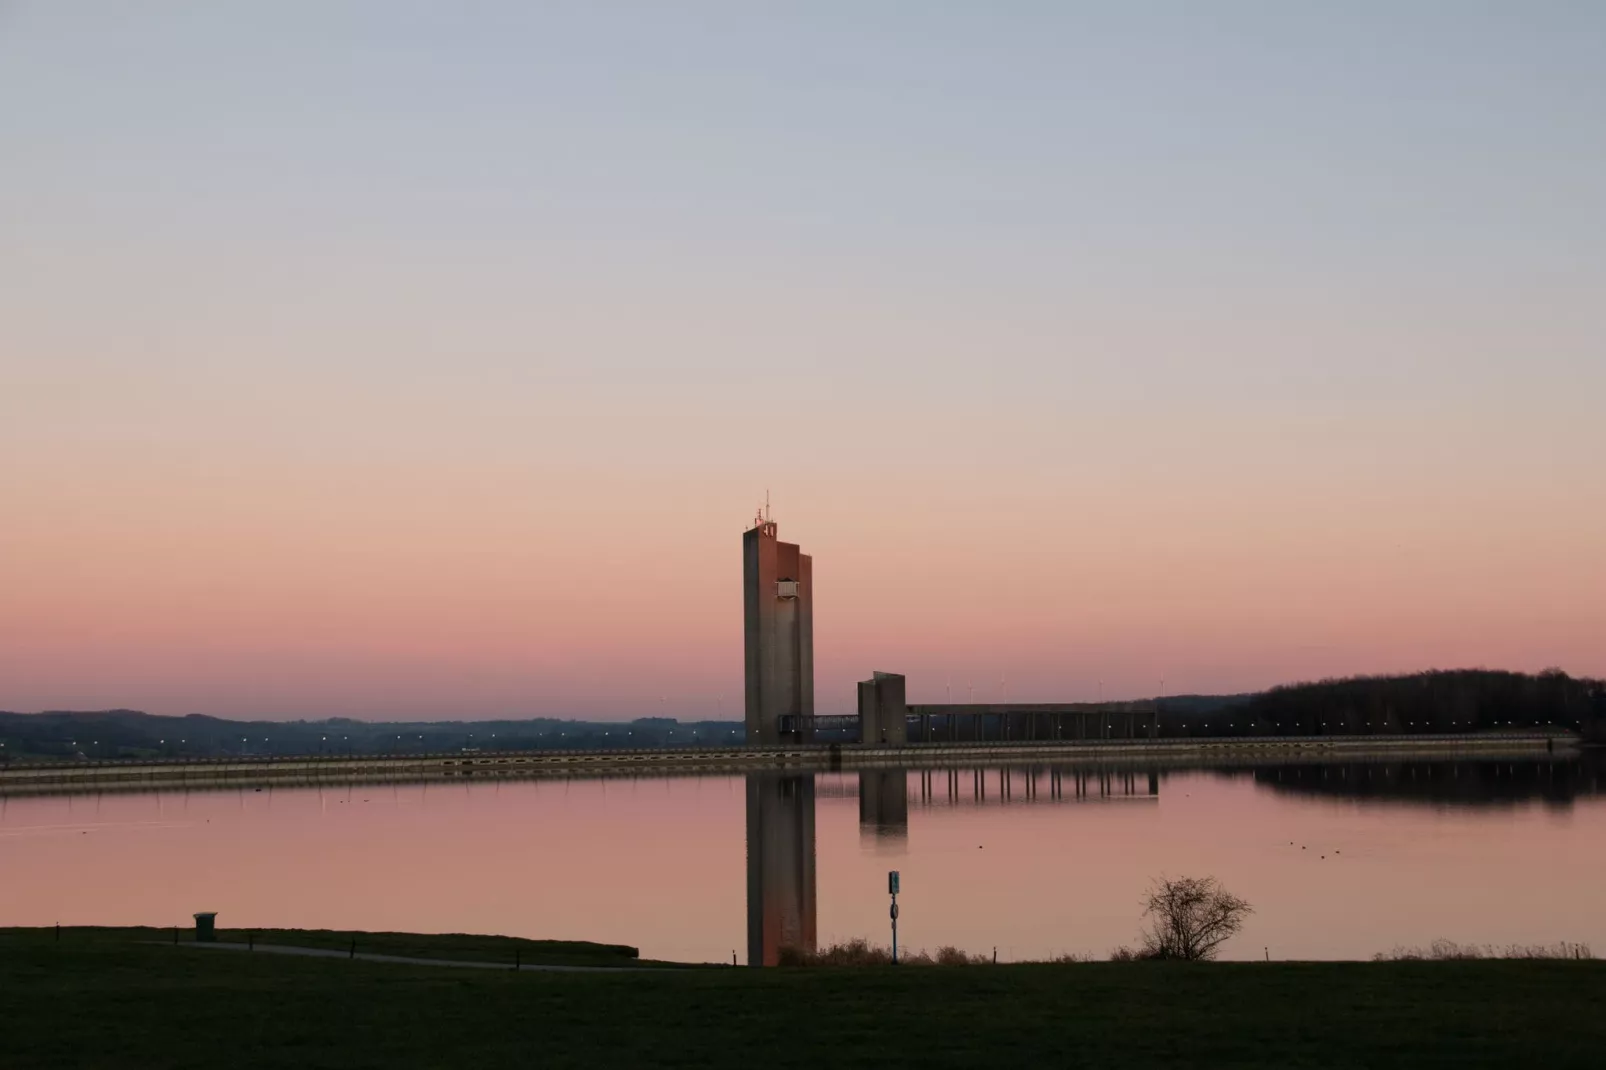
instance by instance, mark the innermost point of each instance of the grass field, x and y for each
(105, 998)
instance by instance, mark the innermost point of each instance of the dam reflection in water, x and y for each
(782, 882)
(1037, 861)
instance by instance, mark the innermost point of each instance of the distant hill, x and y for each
(75, 735)
(1201, 705)
(1462, 700)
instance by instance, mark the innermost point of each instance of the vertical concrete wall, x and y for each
(805, 637)
(869, 719)
(883, 709)
(778, 633)
(783, 685)
(756, 563)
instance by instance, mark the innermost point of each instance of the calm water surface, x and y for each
(1340, 861)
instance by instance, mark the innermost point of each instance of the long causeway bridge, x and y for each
(21, 777)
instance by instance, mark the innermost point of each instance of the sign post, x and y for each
(892, 889)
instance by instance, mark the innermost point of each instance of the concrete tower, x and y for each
(778, 611)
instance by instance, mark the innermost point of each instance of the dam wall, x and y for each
(20, 778)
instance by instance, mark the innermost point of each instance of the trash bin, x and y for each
(206, 927)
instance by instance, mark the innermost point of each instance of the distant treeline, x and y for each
(1192, 707)
(131, 734)
(1461, 700)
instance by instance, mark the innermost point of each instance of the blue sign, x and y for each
(892, 882)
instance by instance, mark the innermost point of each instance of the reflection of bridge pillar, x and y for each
(1154, 783)
(884, 804)
(780, 866)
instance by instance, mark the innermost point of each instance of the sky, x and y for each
(421, 361)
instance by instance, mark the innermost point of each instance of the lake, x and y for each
(1340, 860)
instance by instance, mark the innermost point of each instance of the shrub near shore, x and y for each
(860, 952)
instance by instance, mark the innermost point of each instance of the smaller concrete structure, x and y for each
(883, 709)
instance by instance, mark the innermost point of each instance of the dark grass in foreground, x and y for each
(103, 999)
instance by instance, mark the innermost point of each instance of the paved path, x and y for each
(333, 953)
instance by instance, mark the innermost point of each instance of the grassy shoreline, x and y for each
(460, 947)
(108, 997)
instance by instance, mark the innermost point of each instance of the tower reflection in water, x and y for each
(781, 882)
(781, 911)
(780, 866)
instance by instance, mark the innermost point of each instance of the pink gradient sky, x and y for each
(439, 380)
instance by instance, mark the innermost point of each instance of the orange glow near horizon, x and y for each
(359, 593)
(438, 379)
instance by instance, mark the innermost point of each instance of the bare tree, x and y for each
(1190, 918)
